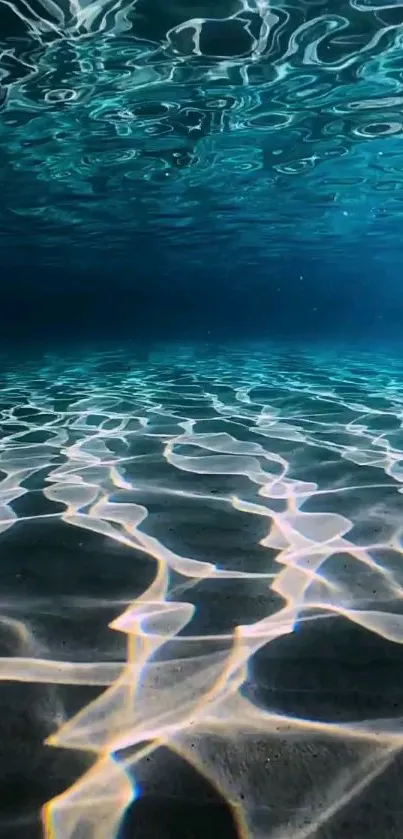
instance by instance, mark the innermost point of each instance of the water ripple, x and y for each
(107, 107)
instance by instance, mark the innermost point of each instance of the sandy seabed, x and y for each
(200, 594)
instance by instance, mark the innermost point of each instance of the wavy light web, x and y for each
(258, 494)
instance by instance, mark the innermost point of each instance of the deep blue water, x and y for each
(201, 419)
(178, 170)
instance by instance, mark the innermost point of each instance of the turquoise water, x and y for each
(183, 170)
(201, 413)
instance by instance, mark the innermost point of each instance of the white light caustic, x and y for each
(259, 476)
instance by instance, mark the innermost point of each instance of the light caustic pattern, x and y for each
(262, 491)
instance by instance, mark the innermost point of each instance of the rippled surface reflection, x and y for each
(201, 619)
(225, 122)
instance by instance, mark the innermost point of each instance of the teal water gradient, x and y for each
(255, 128)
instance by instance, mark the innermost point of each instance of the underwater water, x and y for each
(201, 419)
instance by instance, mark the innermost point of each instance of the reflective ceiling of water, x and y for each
(250, 123)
